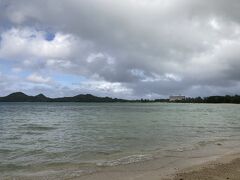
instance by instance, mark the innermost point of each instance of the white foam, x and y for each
(126, 160)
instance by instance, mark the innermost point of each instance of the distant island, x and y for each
(21, 97)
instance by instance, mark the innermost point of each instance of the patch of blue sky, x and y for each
(49, 36)
(69, 80)
(5, 25)
(7, 68)
(24, 74)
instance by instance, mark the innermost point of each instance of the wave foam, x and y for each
(126, 160)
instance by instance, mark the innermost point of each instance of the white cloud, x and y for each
(36, 78)
(107, 87)
(22, 43)
(214, 24)
(93, 57)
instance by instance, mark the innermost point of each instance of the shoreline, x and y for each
(205, 163)
(217, 168)
(224, 166)
(176, 165)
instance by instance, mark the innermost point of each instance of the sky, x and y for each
(125, 49)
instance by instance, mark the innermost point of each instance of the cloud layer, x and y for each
(127, 49)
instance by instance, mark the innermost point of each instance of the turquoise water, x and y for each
(34, 136)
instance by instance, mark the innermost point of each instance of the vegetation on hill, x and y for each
(21, 97)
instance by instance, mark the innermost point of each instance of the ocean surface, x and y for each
(38, 138)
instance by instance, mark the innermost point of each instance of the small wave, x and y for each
(10, 167)
(5, 150)
(34, 152)
(197, 145)
(108, 153)
(36, 127)
(126, 160)
(205, 143)
(13, 137)
(32, 132)
(181, 149)
(121, 138)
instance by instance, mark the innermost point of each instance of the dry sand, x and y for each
(227, 167)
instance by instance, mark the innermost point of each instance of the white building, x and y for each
(176, 98)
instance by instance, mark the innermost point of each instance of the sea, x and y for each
(72, 139)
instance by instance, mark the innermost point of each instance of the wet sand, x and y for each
(208, 163)
(227, 167)
(213, 162)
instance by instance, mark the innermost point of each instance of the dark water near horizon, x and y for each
(35, 136)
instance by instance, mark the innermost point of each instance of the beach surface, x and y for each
(225, 167)
(219, 165)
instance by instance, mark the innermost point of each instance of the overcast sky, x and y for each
(125, 48)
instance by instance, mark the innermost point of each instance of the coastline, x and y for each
(222, 165)
(213, 161)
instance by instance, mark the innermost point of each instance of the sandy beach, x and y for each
(197, 167)
(212, 162)
(226, 167)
